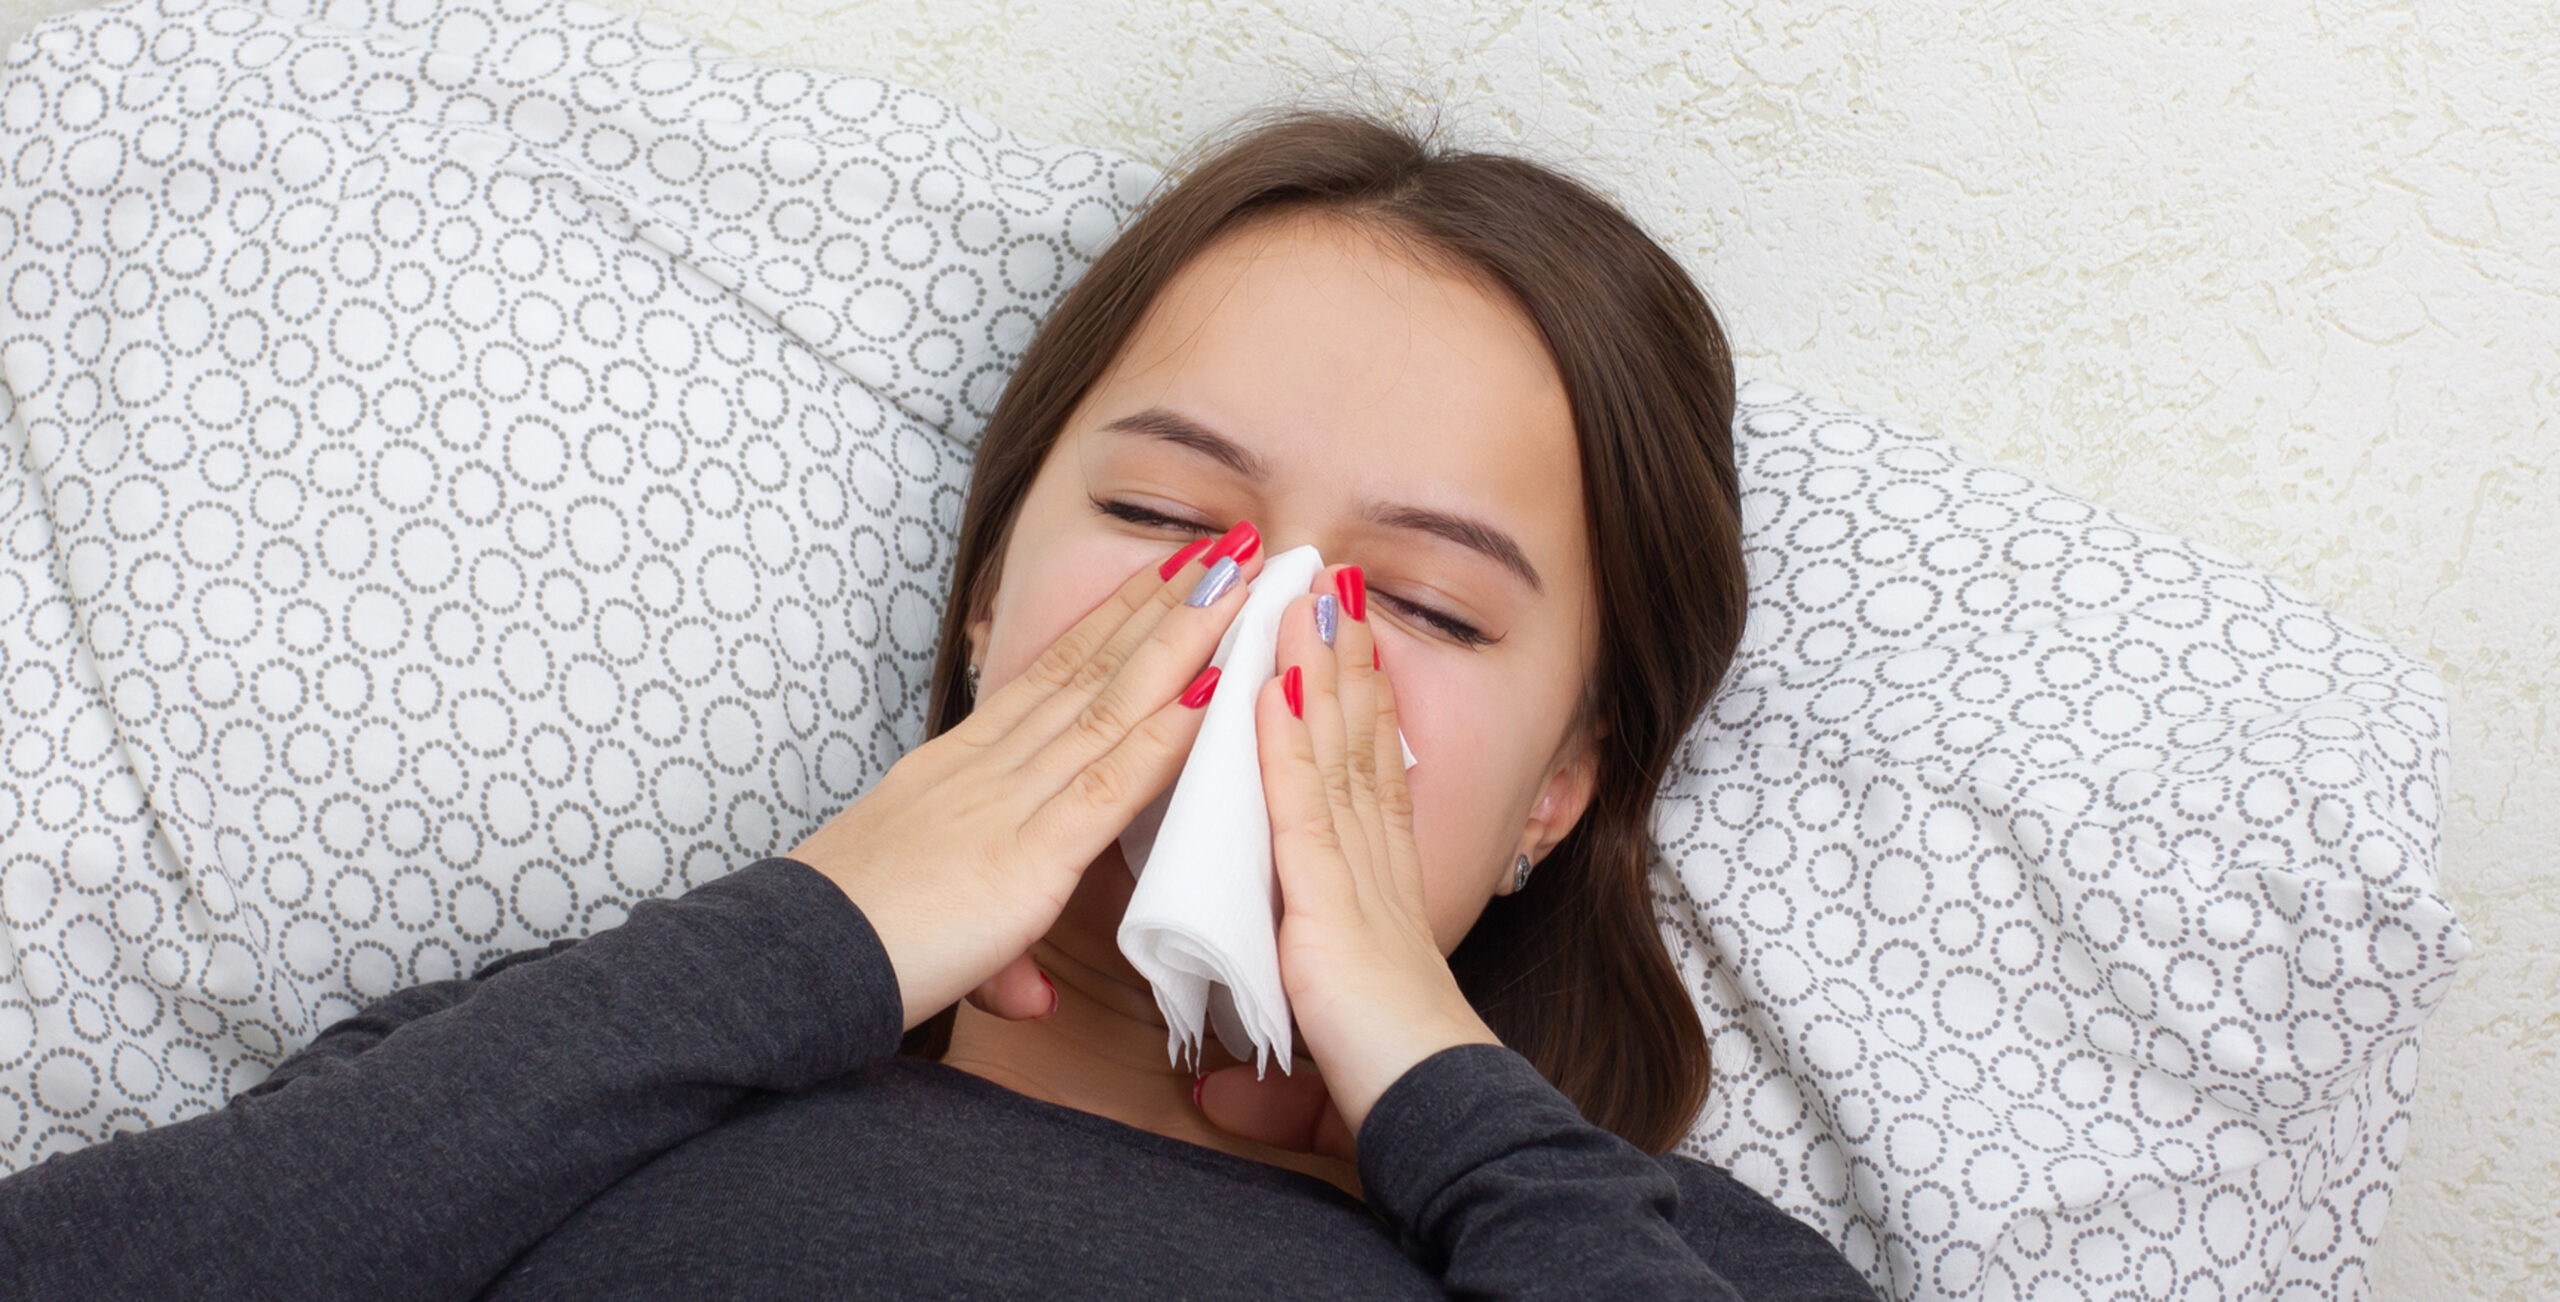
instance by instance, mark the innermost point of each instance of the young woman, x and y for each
(908, 1057)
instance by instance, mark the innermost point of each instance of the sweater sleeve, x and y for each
(357, 1032)
(1497, 1185)
(436, 1136)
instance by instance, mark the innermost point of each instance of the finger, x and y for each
(1094, 804)
(1340, 705)
(1306, 842)
(1001, 707)
(1292, 1111)
(1395, 798)
(1302, 650)
(1354, 657)
(1354, 646)
(1020, 992)
(1150, 662)
(1037, 704)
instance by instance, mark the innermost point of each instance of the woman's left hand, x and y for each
(1372, 994)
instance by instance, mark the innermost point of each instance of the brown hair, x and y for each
(1570, 972)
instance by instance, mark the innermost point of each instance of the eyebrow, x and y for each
(1466, 531)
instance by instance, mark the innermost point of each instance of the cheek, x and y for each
(1460, 794)
(1043, 596)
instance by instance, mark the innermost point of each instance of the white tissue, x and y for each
(1204, 932)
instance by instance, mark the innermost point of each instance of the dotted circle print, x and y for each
(470, 467)
(2059, 894)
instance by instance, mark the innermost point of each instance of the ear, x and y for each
(978, 630)
(1561, 802)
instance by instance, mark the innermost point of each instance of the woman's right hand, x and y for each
(967, 849)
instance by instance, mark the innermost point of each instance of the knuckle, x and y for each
(1361, 762)
(1057, 667)
(1157, 731)
(1101, 784)
(1335, 775)
(1104, 720)
(1095, 673)
(1395, 800)
(1317, 829)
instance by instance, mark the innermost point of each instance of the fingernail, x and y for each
(1239, 542)
(1182, 558)
(1290, 688)
(1053, 995)
(1355, 591)
(1198, 693)
(1197, 1083)
(1213, 584)
(1327, 611)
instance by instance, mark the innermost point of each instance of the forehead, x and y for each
(1351, 363)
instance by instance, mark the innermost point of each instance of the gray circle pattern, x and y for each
(469, 469)
(472, 466)
(2059, 893)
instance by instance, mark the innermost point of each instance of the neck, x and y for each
(1104, 1051)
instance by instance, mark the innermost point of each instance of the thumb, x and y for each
(1018, 992)
(1292, 1111)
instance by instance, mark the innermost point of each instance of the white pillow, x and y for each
(468, 469)
(2060, 894)
(381, 597)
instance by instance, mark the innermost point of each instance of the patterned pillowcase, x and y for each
(470, 473)
(2060, 895)
(464, 475)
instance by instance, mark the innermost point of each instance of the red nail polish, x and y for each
(1197, 1082)
(1355, 591)
(1201, 688)
(1053, 995)
(1291, 689)
(1239, 542)
(1177, 560)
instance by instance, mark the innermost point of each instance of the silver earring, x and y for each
(973, 683)
(1520, 874)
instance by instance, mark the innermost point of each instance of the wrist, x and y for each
(902, 938)
(1369, 1081)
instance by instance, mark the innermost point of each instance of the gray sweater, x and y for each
(706, 1101)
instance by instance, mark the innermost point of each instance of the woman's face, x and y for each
(1396, 416)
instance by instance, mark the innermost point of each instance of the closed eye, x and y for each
(1458, 630)
(1465, 633)
(1136, 514)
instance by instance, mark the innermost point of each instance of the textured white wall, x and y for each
(2282, 275)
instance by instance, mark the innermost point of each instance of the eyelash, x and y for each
(1464, 633)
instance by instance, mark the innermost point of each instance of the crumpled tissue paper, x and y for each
(1204, 931)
